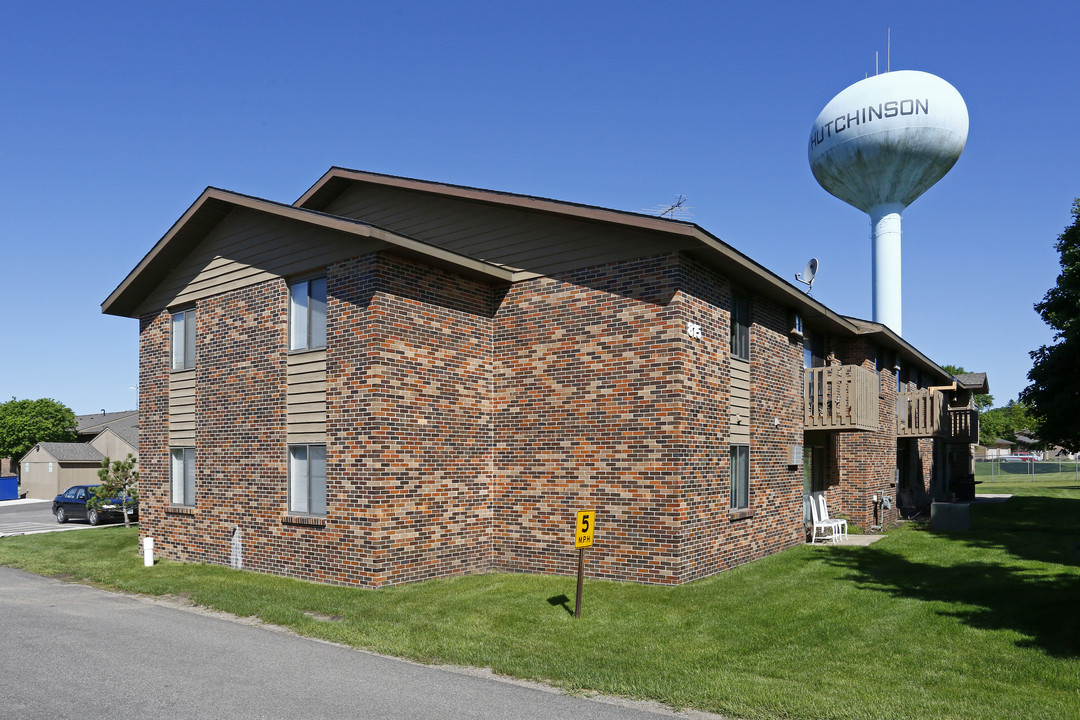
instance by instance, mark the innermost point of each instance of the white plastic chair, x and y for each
(820, 529)
(823, 513)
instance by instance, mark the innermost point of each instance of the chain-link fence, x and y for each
(1013, 470)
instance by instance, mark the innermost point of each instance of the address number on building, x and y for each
(585, 524)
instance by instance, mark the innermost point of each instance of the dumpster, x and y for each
(9, 488)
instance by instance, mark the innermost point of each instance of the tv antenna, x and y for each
(806, 277)
(677, 210)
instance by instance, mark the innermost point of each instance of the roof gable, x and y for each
(227, 240)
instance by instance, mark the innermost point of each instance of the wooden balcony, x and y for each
(844, 397)
(921, 413)
(963, 426)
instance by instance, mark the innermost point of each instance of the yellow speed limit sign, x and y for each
(585, 522)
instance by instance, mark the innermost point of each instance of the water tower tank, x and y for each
(880, 144)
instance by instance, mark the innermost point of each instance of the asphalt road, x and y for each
(71, 651)
(25, 517)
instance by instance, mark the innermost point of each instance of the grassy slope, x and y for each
(919, 625)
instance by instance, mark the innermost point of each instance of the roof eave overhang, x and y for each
(885, 337)
(762, 281)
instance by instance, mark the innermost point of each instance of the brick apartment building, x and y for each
(391, 380)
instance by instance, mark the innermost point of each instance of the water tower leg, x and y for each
(885, 238)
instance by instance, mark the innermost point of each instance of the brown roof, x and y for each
(212, 206)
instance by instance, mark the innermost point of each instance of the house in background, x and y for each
(49, 468)
(1000, 448)
(87, 427)
(392, 379)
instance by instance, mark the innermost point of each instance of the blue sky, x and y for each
(115, 116)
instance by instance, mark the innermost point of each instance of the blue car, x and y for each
(71, 505)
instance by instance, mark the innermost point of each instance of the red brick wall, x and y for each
(240, 453)
(240, 436)
(867, 460)
(586, 407)
(466, 424)
(154, 435)
(409, 427)
(603, 401)
(714, 539)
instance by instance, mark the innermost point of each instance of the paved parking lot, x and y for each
(24, 517)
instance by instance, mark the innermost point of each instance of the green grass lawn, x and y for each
(920, 625)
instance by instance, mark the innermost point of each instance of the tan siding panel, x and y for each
(311, 416)
(305, 402)
(510, 237)
(246, 248)
(314, 395)
(182, 411)
(299, 362)
(298, 436)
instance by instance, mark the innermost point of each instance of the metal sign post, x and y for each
(583, 538)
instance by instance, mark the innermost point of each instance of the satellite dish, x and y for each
(806, 277)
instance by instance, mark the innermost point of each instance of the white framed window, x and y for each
(740, 477)
(740, 326)
(182, 475)
(307, 314)
(307, 479)
(183, 339)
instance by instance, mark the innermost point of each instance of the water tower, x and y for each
(880, 144)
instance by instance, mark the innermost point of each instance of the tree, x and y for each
(1005, 422)
(25, 423)
(1054, 392)
(119, 481)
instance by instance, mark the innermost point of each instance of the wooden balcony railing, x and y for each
(963, 426)
(921, 413)
(844, 397)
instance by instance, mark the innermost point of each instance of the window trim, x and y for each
(314, 332)
(186, 340)
(187, 459)
(311, 501)
(740, 485)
